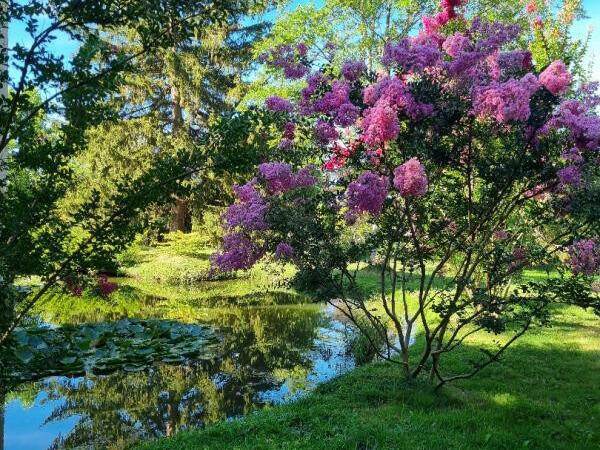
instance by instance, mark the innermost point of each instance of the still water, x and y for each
(267, 355)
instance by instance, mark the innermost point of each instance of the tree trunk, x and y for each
(4, 75)
(181, 215)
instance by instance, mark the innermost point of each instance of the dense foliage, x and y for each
(52, 106)
(459, 165)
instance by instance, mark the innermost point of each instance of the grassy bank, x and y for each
(544, 394)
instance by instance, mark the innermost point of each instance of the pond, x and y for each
(260, 355)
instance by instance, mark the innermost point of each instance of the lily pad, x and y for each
(101, 348)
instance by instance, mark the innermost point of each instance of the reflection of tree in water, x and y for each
(119, 408)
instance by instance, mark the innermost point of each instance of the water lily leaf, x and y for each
(68, 360)
(24, 354)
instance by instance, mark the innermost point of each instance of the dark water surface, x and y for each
(267, 355)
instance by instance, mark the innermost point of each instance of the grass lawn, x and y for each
(545, 393)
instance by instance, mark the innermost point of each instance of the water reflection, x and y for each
(268, 355)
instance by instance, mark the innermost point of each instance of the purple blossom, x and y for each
(276, 103)
(304, 178)
(285, 144)
(239, 253)
(248, 213)
(353, 70)
(287, 58)
(456, 44)
(347, 115)
(411, 56)
(302, 49)
(325, 132)
(410, 179)
(583, 127)
(333, 99)
(584, 257)
(570, 175)
(284, 251)
(573, 154)
(280, 178)
(367, 193)
(289, 130)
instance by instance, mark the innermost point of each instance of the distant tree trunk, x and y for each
(172, 415)
(181, 215)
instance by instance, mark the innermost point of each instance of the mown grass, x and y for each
(543, 394)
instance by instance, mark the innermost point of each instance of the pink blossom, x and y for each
(380, 125)
(433, 24)
(500, 235)
(556, 78)
(410, 179)
(584, 257)
(456, 44)
(531, 7)
(506, 101)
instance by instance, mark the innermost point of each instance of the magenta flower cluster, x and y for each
(389, 96)
(584, 257)
(248, 213)
(433, 24)
(353, 70)
(278, 104)
(410, 179)
(280, 178)
(556, 78)
(506, 101)
(367, 194)
(428, 76)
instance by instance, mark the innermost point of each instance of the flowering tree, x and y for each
(458, 165)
